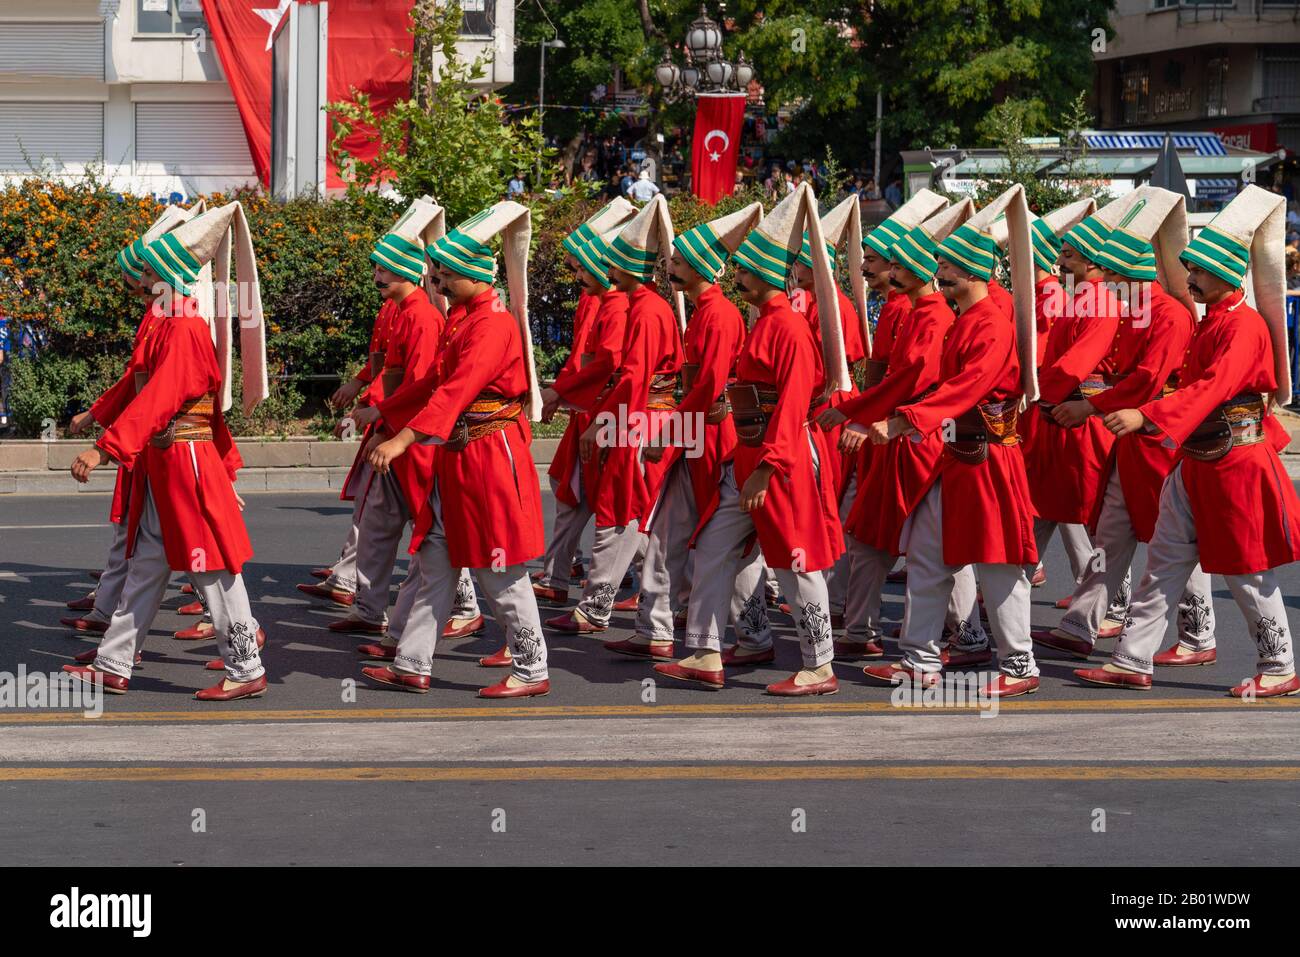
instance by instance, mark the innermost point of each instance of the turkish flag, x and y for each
(716, 145)
(369, 50)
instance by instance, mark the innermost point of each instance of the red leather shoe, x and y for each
(788, 689)
(85, 603)
(187, 588)
(547, 593)
(502, 689)
(193, 608)
(336, 595)
(112, 684)
(898, 577)
(88, 657)
(353, 624)
(576, 573)
(1064, 603)
(200, 632)
(1253, 688)
(571, 623)
(734, 655)
(845, 649)
(1110, 628)
(216, 664)
(418, 684)
(628, 604)
(1171, 657)
(1074, 647)
(654, 650)
(498, 659)
(1114, 679)
(85, 625)
(250, 689)
(321, 573)
(1039, 578)
(897, 673)
(377, 652)
(710, 679)
(952, 658)
(467, 627)
(784, 608)
(1004, 687)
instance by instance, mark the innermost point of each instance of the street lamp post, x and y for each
(706, 70)
(556, 44)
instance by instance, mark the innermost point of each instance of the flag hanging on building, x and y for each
(369, 50)
(715, 146)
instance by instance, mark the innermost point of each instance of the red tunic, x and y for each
(566, 453)
(1067, 467)
(414, 335)
(1002, 299)
(987, 513)
(842, 463)
(373, 392)
(192, 482)
(798, 525)
(1149, 353)
(896, 306)
(899, 472)
(582, 385)
(491, 501)
(1048, 296)
(1246, 510)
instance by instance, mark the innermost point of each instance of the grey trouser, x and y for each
(147, 575)
(720, 549)
(1074, 537)
(109, 590)
(868, 567)
(838, 575)
(1172, 559)
(1108, 568)
(566, 537)
(666, 572)
(612, 552)
(343, 573)
(929, 588)
(424, 603)
(383, 521)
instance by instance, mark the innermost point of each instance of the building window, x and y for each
(479, 18)
(1216, 87)
(1135, 85)
(168, 18)
(1281, 84)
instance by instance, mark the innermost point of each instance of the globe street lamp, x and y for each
(706, 69)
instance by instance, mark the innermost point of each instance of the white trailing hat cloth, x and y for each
(845, 221)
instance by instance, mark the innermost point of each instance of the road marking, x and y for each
(1099, 704)
(10, 528)
(742, 772)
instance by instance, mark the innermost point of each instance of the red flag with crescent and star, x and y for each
(715, 146)
(369, 50)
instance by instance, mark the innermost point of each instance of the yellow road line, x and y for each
(737, 772)
(1134, 703)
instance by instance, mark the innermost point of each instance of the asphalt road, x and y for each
(608, 769)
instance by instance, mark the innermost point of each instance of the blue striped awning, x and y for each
(1208, 186)
(1205, 144)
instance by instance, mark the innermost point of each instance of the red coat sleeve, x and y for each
(118, 396)
(913, 366)
(608, 331)
(1057, 379)
(982, 363)
(717, 356)
(481, 351)
(793, 360)
(1162, 354)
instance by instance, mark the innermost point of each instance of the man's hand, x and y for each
(853, 437)
(381, 455)
(80, 423)
(364, 416)
(831, 418)
(588, 445)
(1125, 421)
(345, 393)
(1070, 414)
(886, 430)
(87, 462)
(239, 500)
(550, 403)
(754, 494)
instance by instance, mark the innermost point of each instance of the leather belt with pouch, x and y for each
(719, 410)
(392, 378)
(488, 413)
(751, 408)
(992, 422)
(193, 423)
(1239, 421)
(376, 363)
(875, 372)
(663, 390)
(1096, 383)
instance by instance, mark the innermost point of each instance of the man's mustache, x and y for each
(676, 279)
(895, 284)
(945, 283)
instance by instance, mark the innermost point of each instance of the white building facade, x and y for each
(136, 86)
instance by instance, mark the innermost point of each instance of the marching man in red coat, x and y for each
(777, 488)
(563, 560)
(695, 457)
(619, 486)
(184, 514)
(1228, 503)
(902, 469)
(977, 510)
(1155, 330)
(484, 509)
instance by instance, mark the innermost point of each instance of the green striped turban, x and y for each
(593, 256)
(1088, 237)
(765, 258)
(130, 260)
(1046, 246)
(1130, 256)
(401, 256)
(805, 253)
(464, 255)
(972, 250)
(882, 239)
(625, 256)
(703, 251)
(1217, 252)
(583, 234)
(174, 264)
(915, 251)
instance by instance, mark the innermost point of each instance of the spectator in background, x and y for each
(517, 186)
(871, 190)
(644, 189)
(629, 177)
(894, 194)
(1292, 269)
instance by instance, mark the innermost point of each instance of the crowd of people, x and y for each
(732, 467)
